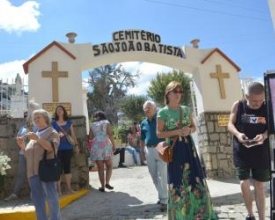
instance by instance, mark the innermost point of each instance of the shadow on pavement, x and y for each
(231, 199)
(231, 181)
(110, 205)
(13, 204)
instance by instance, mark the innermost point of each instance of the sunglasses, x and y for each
(177, 91)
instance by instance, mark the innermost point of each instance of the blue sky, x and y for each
(241, 29)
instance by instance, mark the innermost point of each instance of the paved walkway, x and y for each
(134, 198)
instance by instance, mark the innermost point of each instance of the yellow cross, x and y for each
(55, 74)
(220, 76)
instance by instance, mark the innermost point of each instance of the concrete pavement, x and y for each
(134, 198)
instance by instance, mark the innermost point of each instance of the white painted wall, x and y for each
(206, 89)
(70, 89)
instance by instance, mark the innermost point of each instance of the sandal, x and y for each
(109, 187)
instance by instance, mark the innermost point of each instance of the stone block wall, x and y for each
(8, 131)
(215, 146)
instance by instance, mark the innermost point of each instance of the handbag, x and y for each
(49, 170)
(70, 140)
(165, 151)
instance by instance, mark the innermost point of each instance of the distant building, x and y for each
(13, 98)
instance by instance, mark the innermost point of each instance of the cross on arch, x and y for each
(55, 74)
(220, 76)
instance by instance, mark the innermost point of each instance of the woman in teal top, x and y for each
(188, 195)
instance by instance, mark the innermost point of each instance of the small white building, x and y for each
(18, 100)
(13, 99)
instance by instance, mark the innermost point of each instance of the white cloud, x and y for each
(9, 70)
(148, 72)
(19, 19)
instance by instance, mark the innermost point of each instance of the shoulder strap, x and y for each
(62, 129)
(180, 124)
(45, 152)
(180, 116)
(243, 103)
(174, 142)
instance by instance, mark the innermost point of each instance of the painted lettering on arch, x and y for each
(136, 40)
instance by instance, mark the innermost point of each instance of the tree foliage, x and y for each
(132, 107)
(109, 85)
(156, 90)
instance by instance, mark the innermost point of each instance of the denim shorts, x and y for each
(262, 175)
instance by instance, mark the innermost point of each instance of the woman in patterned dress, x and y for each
(188, 195)
(103, 147)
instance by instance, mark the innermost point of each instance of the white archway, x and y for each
(55, 77)
(213, 93)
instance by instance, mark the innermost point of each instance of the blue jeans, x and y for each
(21, 174)
(39, 192)
(133, 151)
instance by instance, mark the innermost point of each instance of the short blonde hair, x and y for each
(170, 87)
(44, 113)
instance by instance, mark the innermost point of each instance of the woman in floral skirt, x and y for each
(188, 195)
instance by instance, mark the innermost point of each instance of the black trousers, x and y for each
(121, 152)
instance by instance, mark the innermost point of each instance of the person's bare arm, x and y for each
(21, 143)
(162, 133)
(73, 135)
(91, 134)
(43, 142)
(231, 124)
(111, 137)
(192, 125)
(142, 145)
(76, 150)
(130, 141)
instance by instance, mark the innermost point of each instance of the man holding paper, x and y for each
(247, 123)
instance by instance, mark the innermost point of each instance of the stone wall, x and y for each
(215, 146)
(8, 131)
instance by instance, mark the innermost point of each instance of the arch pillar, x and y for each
(216, 87)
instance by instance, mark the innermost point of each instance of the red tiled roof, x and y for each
(223, 55)
(54, 43)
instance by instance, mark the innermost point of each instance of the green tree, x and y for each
(109, 85)
(132, 107)
(156, 90)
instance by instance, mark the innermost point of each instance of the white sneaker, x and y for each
(11, 197)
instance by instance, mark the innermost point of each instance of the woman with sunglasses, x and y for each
(188, 196)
